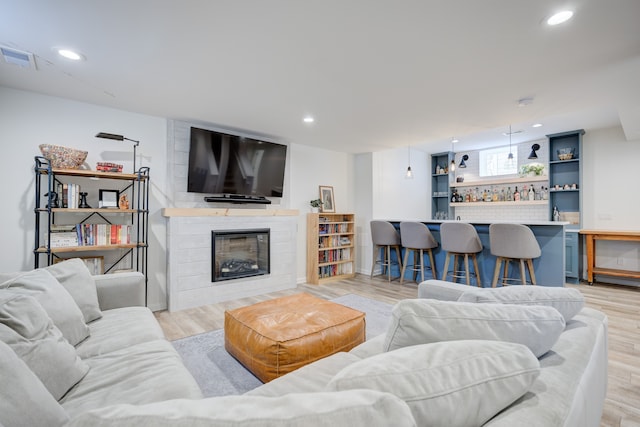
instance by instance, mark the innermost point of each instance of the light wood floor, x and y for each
(620, 303)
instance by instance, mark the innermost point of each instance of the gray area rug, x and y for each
(219, 374)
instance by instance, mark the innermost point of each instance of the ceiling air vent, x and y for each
(18, 57)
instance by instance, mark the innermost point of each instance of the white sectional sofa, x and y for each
(80, 350)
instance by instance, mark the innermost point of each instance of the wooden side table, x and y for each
(590, 241)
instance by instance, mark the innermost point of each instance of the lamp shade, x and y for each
(463, 160)
(533, 154)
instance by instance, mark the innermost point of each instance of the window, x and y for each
(495, 161)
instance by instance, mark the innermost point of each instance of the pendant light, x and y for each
(452, 166)
(409, 173)
(462, 164)
(510, 157)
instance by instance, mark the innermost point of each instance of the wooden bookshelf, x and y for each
(330, 247)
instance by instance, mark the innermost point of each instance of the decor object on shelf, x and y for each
(63, 157)
(326, 195)
(315, 205)
(462, 164)
(108, 199)
(536, 169)
(121, 138)
(566, 153)
(533, 154)
(123, 202)
(409, 173)
(108, 167)
(83, 201)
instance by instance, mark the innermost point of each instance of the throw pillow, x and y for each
(24, 401)
(56, 301)
(423, 321)
(26, 328)
(356, 408)
(76, 278)
(567, 301)
(455, 383)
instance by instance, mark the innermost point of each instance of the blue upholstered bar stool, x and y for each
(460, 239)
(513, 242)
(417, 238)
(385, 237)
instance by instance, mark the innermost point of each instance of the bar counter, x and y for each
(549, 267)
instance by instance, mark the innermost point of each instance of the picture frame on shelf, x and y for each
(326, 195)
(108, 199)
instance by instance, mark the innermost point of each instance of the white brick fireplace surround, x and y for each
(189, 254)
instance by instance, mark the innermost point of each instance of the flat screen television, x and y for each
(226, 164)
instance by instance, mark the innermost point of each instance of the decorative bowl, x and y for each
(63, 157)
(566, 153)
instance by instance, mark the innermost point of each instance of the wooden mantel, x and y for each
(172, 212)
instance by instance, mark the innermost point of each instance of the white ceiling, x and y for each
(375, 74)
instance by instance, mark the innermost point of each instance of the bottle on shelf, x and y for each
(494, 196)
(556, 214)
(509, 195)
(516, 195)
(532, 193)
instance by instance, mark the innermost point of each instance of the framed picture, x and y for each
(95, 264)
(326, 195)
(108, 199)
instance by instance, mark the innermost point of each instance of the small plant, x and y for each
(535, 168)
(315, 203)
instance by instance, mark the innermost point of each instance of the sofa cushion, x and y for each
(55, 299)
(107, 333)
(455, 383)
(26, 328)
(74, 275)
(24, 400)
(142, 373)
(357, 408)
(423, 321)
(310, 378)
(567, 301)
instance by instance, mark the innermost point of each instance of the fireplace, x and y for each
(239, 253)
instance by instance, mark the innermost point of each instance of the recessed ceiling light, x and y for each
(560, 17)
(454, 140)
(537, 125)
(70, 54)
(308, 119)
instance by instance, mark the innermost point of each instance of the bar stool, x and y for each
(385, 236)
(460, 239)
(416, 238)
(513, 242)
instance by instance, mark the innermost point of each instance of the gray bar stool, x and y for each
(513, 242)
(385, 236)
(417, 238)
(460, 239)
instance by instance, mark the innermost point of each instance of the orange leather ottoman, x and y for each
(272, 338)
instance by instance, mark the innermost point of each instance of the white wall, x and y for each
(309, 169)
(611, 173)
(28, 120)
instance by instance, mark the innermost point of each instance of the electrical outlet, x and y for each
(620, 260)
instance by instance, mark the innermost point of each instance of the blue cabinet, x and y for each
(440, 191)
(565, 192)
(572, 256)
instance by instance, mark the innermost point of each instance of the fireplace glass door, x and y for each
(239, 253)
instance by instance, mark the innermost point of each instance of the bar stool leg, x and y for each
(376, 252)
(523, 275)
(399, 258)
(466, 269)
(505, 274)
(454, 269)
(404, 264)
(475, 267)
(434, 273)
(496, 272)
(531, 273)
(446, 266)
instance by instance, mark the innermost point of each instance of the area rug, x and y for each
(219, 374)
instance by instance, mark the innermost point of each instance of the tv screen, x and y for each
(221, 163)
